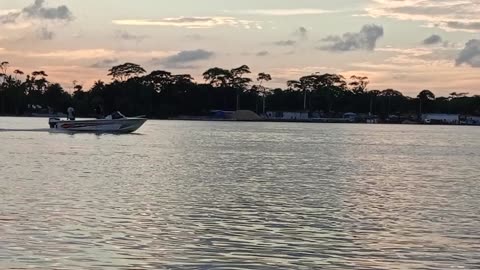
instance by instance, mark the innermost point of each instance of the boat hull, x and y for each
(127, 125)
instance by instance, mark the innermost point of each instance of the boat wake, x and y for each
(49, 130)
(25, 130)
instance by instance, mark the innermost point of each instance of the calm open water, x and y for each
(220, 195)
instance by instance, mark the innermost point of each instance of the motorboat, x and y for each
(114, 123)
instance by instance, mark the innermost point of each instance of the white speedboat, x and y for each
(114, 123)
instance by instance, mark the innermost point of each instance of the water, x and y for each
(211, 195)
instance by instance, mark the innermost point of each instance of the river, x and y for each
(235, 195)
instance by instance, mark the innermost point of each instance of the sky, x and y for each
(407, 45)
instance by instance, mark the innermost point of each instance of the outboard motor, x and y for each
(71, 113)
(53, 122)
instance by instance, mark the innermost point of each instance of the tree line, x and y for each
(161, 94)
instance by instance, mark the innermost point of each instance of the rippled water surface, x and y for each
(212, 195)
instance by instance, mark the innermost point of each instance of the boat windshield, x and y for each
(116, 115)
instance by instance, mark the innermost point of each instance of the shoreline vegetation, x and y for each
(163, 95)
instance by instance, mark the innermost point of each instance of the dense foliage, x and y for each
(161, 94)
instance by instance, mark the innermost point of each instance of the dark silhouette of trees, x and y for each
(324, 89)
(12, 92)
(240, 83)
(423, 97)
(373, 94)
(158, 79)
(3, 68)
(229, 80)
(330, 88)
(299, 86)
(359, 84)
(218, 77)
(262, 78)
(56, 98)
(392, 100)
(162, 94)
(125, 71)
(40, 73)
(18, 73)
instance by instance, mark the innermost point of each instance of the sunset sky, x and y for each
(407, 45)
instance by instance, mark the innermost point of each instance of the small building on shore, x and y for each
(350, 116)
(441, 118)
(470, 120)
(240, 115)
(287, 115)
(220, 114)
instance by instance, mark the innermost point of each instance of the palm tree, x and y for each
(263, 77)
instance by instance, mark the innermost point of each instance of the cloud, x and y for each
(190, 22)
(106, 63)
(470, 55)
(69, 54)
(262, 53)
(406, 68)
(438, 76)
(124, 35)
(366, 39)
(283, 12)
(183, 59)
(195, 37)
(448, 44)
(9, 16)
(44, 34)
(87, 54)
(283, 74)
(450, 15)
(285, 43)
(301, 32)
(37, 11)
(466, 26)
(424, 55)
(411, 52)
(433, 39)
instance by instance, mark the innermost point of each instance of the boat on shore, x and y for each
(114, 123)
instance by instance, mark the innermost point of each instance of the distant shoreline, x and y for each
(307, 121)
